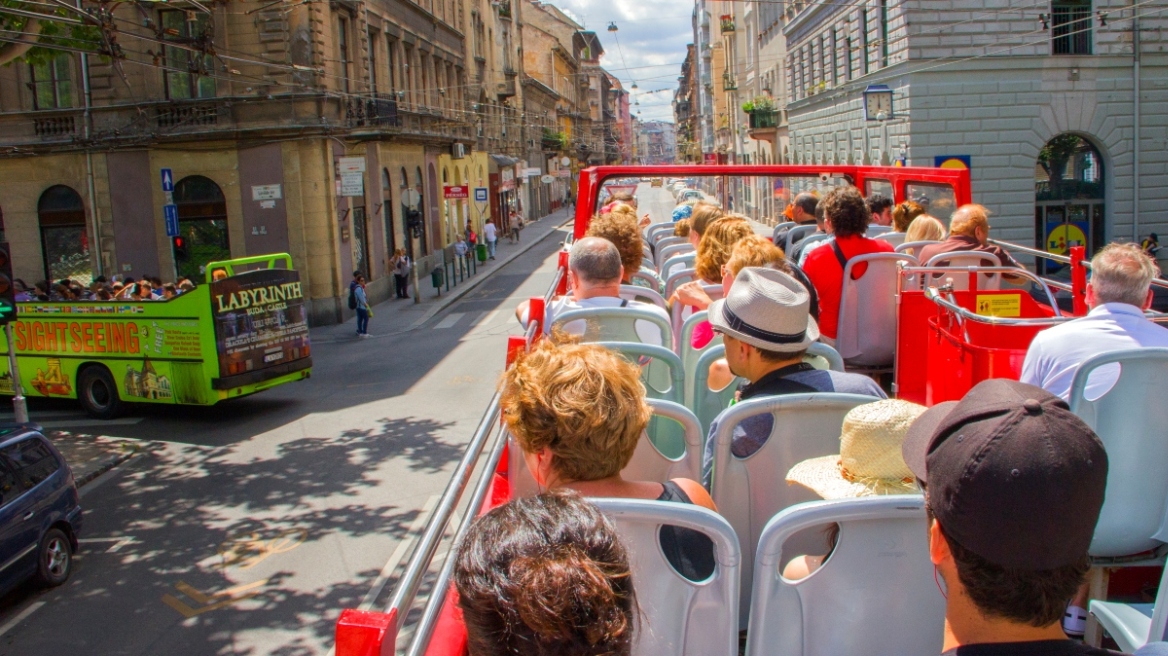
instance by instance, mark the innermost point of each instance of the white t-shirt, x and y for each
(649, 333)
(489, 231)
(1056, 353)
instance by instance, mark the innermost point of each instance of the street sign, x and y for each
(455, 191)
(171, 214)
(352, 184)
(480, 194)
(167, 180)
(547, 179)
(350, 165)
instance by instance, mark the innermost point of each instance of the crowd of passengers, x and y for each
(146, 288)
(1013, 481)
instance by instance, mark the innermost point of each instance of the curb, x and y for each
(108, 464)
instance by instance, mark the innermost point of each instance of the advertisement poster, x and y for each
(260, 320)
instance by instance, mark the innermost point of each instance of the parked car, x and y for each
(40, 513)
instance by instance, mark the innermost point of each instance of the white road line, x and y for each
(403, 548)
(450, 320)
(119, 542)
(486, 318)
(10, 624)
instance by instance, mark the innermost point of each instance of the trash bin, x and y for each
(481, 249)
(436, 277)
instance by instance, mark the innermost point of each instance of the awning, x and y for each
(503, 160)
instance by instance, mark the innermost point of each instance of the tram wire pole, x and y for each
(19, 405)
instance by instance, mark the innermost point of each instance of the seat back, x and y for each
(616, 324)
(1125, 408)
(648, 263)
(680, 313)
(652, 281)
(644, 295)
(749, 491)
(670, 447)
(874, 230)
(677, 263)
(669, 240)
(877, 582)
(894, 238)
(986, 281)
(690, 355)
(672, 250)
(822, 356)
(672, 282)
(658, 231)
(679, 616)
(867, 313)
(782, 226)
(914, 247)
(796, 233)
(661, 369)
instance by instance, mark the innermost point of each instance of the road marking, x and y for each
(485, 318)
(32, 608)
(450, 320)
(403, 547)
(119, 542)
(208, 601)
(250, 550)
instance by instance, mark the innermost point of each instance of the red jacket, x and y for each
(824, 270)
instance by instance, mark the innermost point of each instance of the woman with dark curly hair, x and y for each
(545, 575)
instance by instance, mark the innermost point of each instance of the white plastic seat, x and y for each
(1131, 419)
(669, 240)
(672, 282)
(670, 449)
(894, 238)
(672, 250)
(914, 246)
(690, 355)
(781, 226)
(988, 281)
(677, 263)
(866, 334)
(658, 230)
(875, 593)
(679, 616)
(652, 281)
(680, 313)
(1134, 625)
(644, 295)
(615, 324)
(874, 230)
(661, 369)
(796, 233)
(646, 252)
(648, 263)
(749, 491)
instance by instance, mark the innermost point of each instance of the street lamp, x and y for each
(612, 27)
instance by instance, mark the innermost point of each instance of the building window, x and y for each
(52, 83)
(848, 57)
(883, 33)
(64, 237)
(373, 41)
(188, 73)
(391, 63)
(834, 57)
(863, 41)
(1071, 27)
(343, 52)
(202, 222)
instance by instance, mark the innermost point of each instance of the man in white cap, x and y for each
(766, 325)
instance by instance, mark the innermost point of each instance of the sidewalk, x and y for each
(408, 315)
(90, 456)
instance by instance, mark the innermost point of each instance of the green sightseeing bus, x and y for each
(240, 334)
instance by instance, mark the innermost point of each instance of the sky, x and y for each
(651, 35)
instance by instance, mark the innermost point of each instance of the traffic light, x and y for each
(7, 289)
(180, 249)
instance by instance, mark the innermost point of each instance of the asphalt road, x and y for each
(246, 527)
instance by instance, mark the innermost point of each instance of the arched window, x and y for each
(202, 225)
(1069, 197)
(387, 213)
(64, 238)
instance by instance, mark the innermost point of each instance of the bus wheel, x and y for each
(98, 393)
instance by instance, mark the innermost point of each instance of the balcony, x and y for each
(379, 111)
(506, 88)
(763, 124)
(504, 7)
(727, 22)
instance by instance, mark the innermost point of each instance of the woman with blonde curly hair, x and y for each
(578, 412)
(716, 244)
(620, 227)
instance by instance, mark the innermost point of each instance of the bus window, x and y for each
(882, 187)
(937, 199)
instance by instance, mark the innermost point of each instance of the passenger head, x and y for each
(1121, 273)
(714, 249)
(846, 212)
(752, 251)
(220, 274)
(903, 214)
(803, 207)
(545, 575)
(971, 221)
(703, 214)
(594, 262)
(681, 228)
(880, 207)
(620, 227)
(624, 197)
(577, 411)
(169, 290)
(1014, 483)
(925, 228)
(186, 285)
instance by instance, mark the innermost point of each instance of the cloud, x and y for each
(647, 49)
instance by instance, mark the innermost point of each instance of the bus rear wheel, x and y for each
(98, 393)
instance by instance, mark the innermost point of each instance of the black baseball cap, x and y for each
(1011, 474)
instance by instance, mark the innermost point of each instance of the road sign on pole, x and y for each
(167, 180)
(171, 214)
(480, 194)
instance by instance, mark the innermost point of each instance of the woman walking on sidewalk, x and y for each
(401, 273)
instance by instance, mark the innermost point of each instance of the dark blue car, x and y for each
(40, 516)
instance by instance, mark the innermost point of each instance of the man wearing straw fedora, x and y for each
(766, 325)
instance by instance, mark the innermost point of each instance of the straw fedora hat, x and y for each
(870, 461)
(767, 309)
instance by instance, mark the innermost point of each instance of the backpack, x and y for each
(352, 297)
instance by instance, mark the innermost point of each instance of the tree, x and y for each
(38, 36)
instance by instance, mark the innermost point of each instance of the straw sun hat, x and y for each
(870, 461)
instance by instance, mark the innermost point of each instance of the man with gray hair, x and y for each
(594, 278)
(1118, 294)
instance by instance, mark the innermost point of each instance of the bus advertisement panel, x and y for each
(260, 320)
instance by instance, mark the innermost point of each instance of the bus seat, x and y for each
(674, 452)
(796, 233)
(678, 263)
(646, 252)
(671, 250)
(661, 369)
(894, 238)
(672, 282)
(643, 294)
(1125, 409)
(680, 313)
(874, 230)
(615, 324)
(690, 355)
(749, 491)
(781, 226)
(679, 616)
(845, 607)
(1134, 625)
(867, 311)
(913, 247)
(651, 281)
(658, 231)
(648, 263)
(991, 281)
(822, 356)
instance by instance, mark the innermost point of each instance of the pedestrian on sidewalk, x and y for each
(360, 302)
(401, 273)
(516, 225)
(492, 237)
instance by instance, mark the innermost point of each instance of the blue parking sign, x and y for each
(480, 194)
(167, 180)
(171, 214)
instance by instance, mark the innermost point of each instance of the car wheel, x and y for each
(54, 558)
(98, 393)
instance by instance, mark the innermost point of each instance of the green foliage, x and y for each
(52, 33)
(759, 104)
